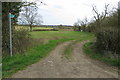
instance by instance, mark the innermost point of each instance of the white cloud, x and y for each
(68, 11)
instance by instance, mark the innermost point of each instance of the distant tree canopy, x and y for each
(80, 25)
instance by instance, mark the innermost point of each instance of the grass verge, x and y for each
(68, 50)
(32, 55)
(90, 52)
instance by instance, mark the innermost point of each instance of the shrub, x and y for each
(21, 40)
(107, 39)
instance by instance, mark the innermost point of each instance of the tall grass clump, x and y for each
(21, 40)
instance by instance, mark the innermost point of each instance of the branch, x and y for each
(96, 12)
(106, 11)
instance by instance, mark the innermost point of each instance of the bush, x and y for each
(107, 39)
(21, 41)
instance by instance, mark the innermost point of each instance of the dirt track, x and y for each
(57, 66)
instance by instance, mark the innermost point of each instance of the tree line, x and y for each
(106, 28)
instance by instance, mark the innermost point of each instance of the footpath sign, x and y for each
(10, 16)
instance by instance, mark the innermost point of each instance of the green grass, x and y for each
(0, 70)
(18, 62)
(68, 50)
(32, 55)
(62, 35)
(90, 52)
(73, 35)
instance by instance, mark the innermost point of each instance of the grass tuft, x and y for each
(69, 49)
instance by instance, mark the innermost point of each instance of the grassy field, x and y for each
(75, 35)
(95, 55)
(28, 28)
(39, 51)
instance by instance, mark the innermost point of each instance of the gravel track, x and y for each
(57, 66)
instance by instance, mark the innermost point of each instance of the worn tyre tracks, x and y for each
(57, 66)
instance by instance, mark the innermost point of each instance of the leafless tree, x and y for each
(77, 26)
(99, 17)
(30, 16)
(83, 23)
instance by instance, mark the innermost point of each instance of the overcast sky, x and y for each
(67, 12)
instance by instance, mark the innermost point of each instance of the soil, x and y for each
(78, 66)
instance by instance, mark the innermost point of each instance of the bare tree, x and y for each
(80, 24)
(77, 26)
(99, 17)
(38, 20)
(83, 23)
(29, 15)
